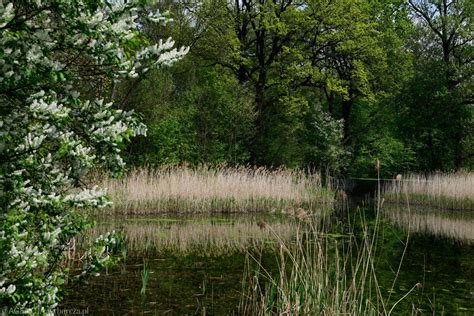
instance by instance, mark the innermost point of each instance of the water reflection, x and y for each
(195, 264)
(206, 236)
(455, 225)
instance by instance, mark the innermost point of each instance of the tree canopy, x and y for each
(327, 84)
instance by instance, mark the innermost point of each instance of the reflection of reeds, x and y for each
(454, 191)
(225, 189)
(443, 224)
(204, 237)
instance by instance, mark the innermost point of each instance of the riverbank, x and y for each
(183, 189)
(453, 191)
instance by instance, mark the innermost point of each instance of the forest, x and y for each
(236, 157)
(330, 85)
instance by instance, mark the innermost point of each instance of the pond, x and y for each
(196, 264)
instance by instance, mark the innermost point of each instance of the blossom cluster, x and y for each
(51, 134)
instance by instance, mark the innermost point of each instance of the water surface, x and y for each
(196, 264)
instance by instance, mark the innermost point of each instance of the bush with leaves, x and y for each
(50, 135)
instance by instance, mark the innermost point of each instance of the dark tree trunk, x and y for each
(458, 153)
(346, 116)
(242, 75)
(261, 107)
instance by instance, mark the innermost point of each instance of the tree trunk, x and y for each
(261, 106)
(346, 116)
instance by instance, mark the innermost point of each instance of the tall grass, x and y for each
(321, 275)
(318, 276)
(445, 190)
(214, 189)
(145, 275)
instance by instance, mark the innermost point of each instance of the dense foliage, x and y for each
(332, 85)
(55, 55)
(327, 84)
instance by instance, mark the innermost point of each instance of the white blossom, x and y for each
(6, 13)
(53, 135)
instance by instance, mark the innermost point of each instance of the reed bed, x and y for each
(444, 190)
(184, 189)
(454, 225)
(203, 237)
(321, 276)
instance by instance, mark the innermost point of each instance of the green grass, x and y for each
(323, 274)
(320, 276)
(145, 276)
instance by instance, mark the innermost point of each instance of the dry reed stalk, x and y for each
(224, 189)
(446, 190)
(322, 276)
(316, 277)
